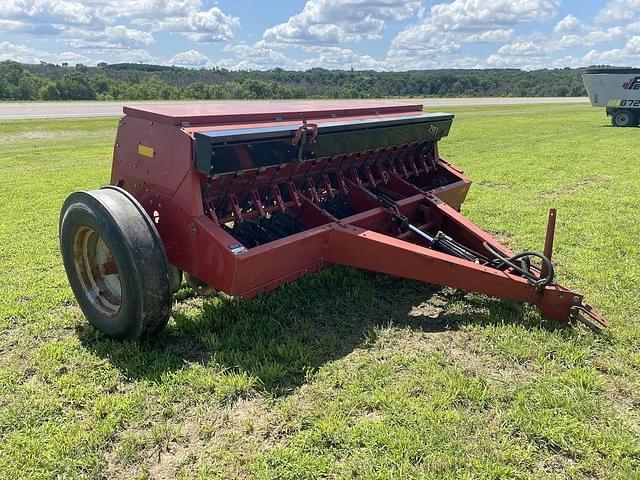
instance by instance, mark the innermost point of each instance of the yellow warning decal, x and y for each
(614, 103)
(145, 150)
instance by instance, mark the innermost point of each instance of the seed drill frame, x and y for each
(247, 196)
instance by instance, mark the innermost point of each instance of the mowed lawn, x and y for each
(344, 374)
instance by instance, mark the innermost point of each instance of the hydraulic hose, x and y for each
(522, 269)
(441, 242)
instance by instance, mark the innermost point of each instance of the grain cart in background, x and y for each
(244, 197)
(617, 90)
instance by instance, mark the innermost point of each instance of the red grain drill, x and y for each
(246, 196)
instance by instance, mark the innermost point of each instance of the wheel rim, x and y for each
(623, 118)
(97, 271)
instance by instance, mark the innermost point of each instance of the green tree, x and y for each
(101, 84)
(49, 91)
(148, 82)
(75, 85)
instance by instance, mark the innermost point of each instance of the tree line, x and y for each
(125, 81)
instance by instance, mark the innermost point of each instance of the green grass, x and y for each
(344, 374)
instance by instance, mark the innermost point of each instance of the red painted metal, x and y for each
(548, 241)
(248, 112)
(154, 160)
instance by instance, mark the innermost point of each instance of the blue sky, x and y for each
(302, 34)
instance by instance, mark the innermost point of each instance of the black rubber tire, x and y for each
(623, 118)
(137, 250)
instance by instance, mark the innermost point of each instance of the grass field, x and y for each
(344, 374)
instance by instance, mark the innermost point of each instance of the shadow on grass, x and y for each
(280, 337)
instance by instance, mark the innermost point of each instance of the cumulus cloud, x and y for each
(610, 57)
(482, 14)
(117, 37)
(627, 55)
(52, 12)
(330, 33)
(330, 22)
(208, 26)
(320, 31)
(20, 53)
(522, 48)
(128, 36)
(568, 41)
(533, 63)
(25, 54)
(15, 26)
(525, 54)
(587, 36)
(190, 58)
(602, 36)
(571, 35)
(256, 56)
(134, 56)
(107, 26)
(508, 61)
(489, 36)
(568, 24)
(260, 56)
(69, 57)
(633, 45)
(330, 57)
(618, 11)
(447, 27)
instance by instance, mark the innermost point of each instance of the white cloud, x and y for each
(25, 54)
(449, 26)
(482, 14)
(522, 48)
(134, 56)
(257, 56)
(445, 34)
(633, 45)
(526, 63)
(618, 11)
(71, 58)
(261, 56)
(539, 50)
(149, 10)
(568, 24)
(324, 26)
(604, 36)
(534, 63)
(212, 25)
(330, 22)
(117, 37)
(20, 53)
(54, 12)
(625, 56)
(190, 58)
(15, 26)
(522, 53)
(615, 56)
(568, 41)
(489, 36)
(109, 26)
(128, 37)
(425, 38)
(340, 58)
